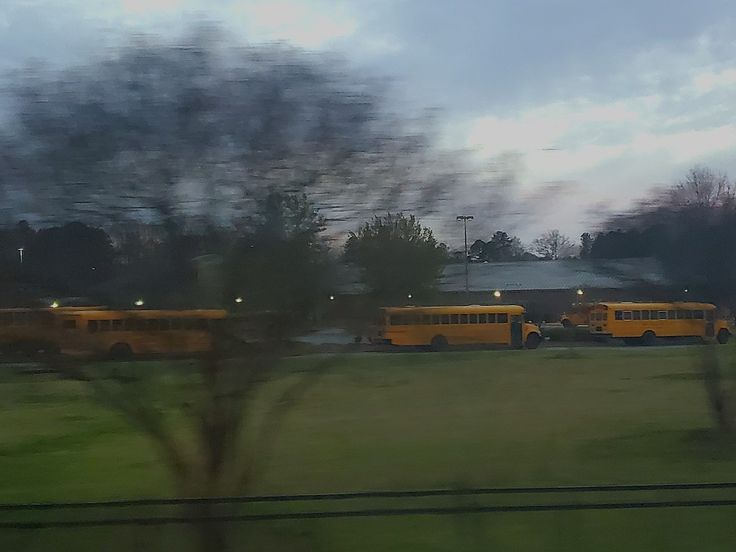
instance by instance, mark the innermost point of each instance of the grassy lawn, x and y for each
(398, 421)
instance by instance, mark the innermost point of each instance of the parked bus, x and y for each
(131, 332)
(28, 331)
(578, 315)
(438, 327)
(108, 332)
(645, 322)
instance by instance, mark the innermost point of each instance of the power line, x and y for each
(418, 493)
(375, 512)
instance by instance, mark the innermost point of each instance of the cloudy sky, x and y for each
(600, 101)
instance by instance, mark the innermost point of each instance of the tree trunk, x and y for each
(211, 536)
(717, 395)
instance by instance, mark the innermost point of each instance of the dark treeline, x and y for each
(690, 228)
(498, 248)
(629, 243)
(277, 258)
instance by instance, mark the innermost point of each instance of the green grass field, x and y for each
(402, 421)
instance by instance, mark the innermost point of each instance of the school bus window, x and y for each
(69, 324)
(444, 319)
(688, 314)
(698, 315)
(396, 320)
(92, 326)
(636, 315)
(463, 319)
(645, 315)
(627, 315)
(453, 319)
(176, 323)
(203, 325)
(20, 318)
(139, 325)
(6, 319)
(473, 318)
(104, 325)
(502, 318)
(491, 317)
(672, 315)
(164, 324)
(117, 325)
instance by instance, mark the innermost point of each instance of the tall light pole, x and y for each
(20, 254)
(465, 219)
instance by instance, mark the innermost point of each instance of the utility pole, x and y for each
(465, 219)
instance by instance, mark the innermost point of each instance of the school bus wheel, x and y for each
(723, 336)
(121, 350)
(649, 338)
(438, 343)
(533, 340)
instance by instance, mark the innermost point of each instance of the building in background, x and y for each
(545, 288)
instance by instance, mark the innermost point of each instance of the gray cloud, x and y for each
(534, 61)
(482, 54)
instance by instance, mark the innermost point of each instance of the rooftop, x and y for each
(539, 275)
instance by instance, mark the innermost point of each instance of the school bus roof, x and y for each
(112, 314)
(658, 306)
(449, 309)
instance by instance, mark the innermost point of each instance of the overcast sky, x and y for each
(599, 100)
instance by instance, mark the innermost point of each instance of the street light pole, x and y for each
(20, 254)
(465, 219)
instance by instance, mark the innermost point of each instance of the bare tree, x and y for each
(225, 442)
(702, 188)
(197, 133)
(552, 245)
(193, 131)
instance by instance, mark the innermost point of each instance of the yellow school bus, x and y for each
(97, 330)
(438, 327)
(27, 330)
(123, 333)
(577, 316)
(645, 322)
